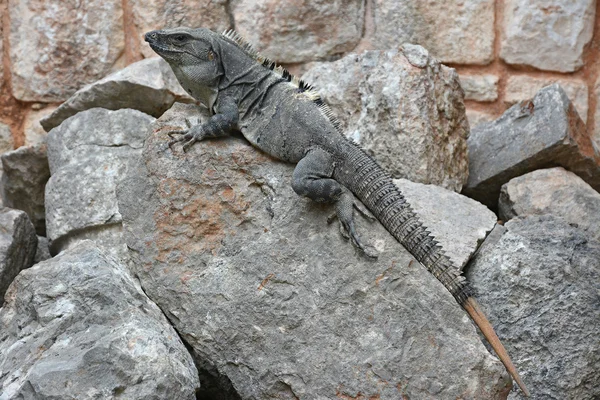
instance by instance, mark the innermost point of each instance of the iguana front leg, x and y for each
(220, 124)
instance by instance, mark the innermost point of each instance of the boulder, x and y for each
(404, 107)
(148, 85)
(89, 154)
(79, 327)
(540, 282)
(18, 244)
(541, 133)
(273, 298)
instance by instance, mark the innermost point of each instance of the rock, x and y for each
(301, 31)
(23, 181)
(542, 133)
(596, 132)
(547, 34)
(148, 85)
(271, 296)
(35, 134)
(18, 244)
(404, 107)
(480, 87)
(541, 285)
(552, 191)
(458, 223)
(89, 154)
(460, 32)
(78, 326)
(43, 250)
(524, 87)
(6, 140)
(478, 117)
(69, 44)
(159, 14)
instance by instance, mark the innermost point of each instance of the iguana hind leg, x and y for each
(312, 179)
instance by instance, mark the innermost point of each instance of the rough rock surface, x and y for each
(69, 44)
(42, 252)
(541, 284)
(262, 289)
(524, 87)
(23, 181)
(18, 244)
(596, 133)
(88, 154)
(453, 31)
(300, 31)
(478, 117)
(6, 140)
(544, 132)
(148, 85)
(480, 87)
(79, 327)
(33, 131)
(547, 34)
(400, 99)
(158, 14)
(457, 222)
(552, 191)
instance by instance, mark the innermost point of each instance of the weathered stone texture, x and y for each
(42, 252)
(18, 244)
(547, 34)
(553, 191)
(524, 87)
(88, 154)
(295, 31)
(478, 117)
(35, 134)
(148, 85)
(23, 181)
(249, 271)
(596, 132)
(541, 284)
(79, 327)
(56, 47)
(159, 14)
(403, 107)
(543, 133)
(6, 140)
(480, 87)
(453, 31)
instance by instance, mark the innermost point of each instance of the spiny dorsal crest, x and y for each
(303, 87)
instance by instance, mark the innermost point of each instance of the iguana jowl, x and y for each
(285, 118)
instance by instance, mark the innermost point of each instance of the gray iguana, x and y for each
(284, 117)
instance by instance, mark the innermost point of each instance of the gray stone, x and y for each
(541, 283)
(541, 133)
(148, 85)
(596, 131)
(33, 131)
(18, 244)
(547, 34)
(23, 181)
(58, 47)
(6, 140)
(480, 87)
(79, 327)
(404, 108)
(458, 223)
(552, 191)
(453, 31)
(272, 297)
(302, 31)
(43, 250)
(476, 117)
(89, 154)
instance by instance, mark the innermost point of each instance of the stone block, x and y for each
(480, 87)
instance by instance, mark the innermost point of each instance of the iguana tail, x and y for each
(374, 187)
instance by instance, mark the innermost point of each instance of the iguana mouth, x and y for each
(163, 50)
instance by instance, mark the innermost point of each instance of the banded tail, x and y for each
(374, 187)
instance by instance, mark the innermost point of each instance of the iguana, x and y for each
(286, 118)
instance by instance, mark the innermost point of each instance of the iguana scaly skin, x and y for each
(285, 118)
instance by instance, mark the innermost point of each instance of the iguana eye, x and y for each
(179, 38)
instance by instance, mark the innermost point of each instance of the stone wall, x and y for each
(504, 50)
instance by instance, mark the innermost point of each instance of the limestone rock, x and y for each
(541, 284)
(266, 292)
(552, 191)
(453, 31)
(524, 87)
(42, 252)
(23, 182)
(18, 245)
(6, 140)
(547, 34)
(300, 31)
(89, 154)
(404, 107)
(78, 326)
(596, 132)
(544, 132)
(35, 134)
(148, 85)
(480, 87)
(68, 45)
(458, 223)
(478, 117)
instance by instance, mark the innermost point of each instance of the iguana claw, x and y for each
(344, 208)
